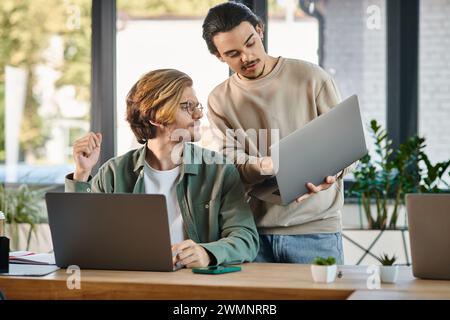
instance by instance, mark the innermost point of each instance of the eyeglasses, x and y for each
(190, 107)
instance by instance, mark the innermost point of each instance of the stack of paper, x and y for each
(27, 257)
(29, 270)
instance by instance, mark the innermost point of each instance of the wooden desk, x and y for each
(398, 295)
(255, 281)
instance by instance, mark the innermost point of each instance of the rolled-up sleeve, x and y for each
(101, 182)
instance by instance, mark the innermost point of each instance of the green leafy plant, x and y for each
(392, 173)
(324, 261)
(385, 260)
(23, 205)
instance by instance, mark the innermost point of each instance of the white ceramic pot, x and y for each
(324, 274)
(388, 274)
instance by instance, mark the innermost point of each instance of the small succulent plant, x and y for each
(325, 261)
(385, 260)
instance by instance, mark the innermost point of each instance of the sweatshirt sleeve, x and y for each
(226, 143)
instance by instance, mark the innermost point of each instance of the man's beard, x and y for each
(259, 75)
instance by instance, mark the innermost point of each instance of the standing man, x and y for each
(263, 94)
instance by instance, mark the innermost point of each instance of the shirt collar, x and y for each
(189, 168)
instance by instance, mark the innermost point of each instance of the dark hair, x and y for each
(223, 18)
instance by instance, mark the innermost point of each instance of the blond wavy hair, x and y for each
(155, 97)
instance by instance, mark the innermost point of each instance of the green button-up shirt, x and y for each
(210, 194)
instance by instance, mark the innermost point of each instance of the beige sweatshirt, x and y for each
(292, 94)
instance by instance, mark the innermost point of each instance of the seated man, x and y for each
(210, 222)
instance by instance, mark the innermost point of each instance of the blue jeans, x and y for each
(301, 248)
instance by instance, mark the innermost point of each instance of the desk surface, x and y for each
(255, 281)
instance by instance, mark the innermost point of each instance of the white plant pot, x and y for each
(325, 274)
(388, 274)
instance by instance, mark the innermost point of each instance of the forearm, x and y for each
(240, 246)
(82, 176)
(92, 184)
(73, 185)
(252, 169)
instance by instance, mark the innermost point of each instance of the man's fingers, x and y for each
(86, 146)
(186, 253)
(83, 149)
(94, 138)
(88, 142)
(303, 197)
(313, 188)
(94, 141)
(99, 137)
(189, 260)
(182, 245)
(330, 179)
(186, 256)
(266, 166)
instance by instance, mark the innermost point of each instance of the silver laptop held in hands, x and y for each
(323, 147)
(110, 231)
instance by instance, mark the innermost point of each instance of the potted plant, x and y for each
(390, 174)
(388, 271)
(24, 210)
(324, 269)
(381, 181)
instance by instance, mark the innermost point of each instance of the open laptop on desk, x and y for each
(429, 236)
(110, 231)
(323, 147)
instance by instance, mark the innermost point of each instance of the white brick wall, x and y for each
(434, 77)
(356, 55)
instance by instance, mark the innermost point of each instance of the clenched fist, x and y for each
(86, 152)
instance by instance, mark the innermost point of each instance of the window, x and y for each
(162, 34)
(434, 78)
(354, 53)
(44, 87)
(291, 32)
(347, 37)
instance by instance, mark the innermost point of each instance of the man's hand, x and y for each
(190, 254)
(328, 182)
(86, 152)
(266, 166)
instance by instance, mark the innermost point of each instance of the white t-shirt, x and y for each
(163, 182)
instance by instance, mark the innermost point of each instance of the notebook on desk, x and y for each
(29, 270)
(27, 257)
